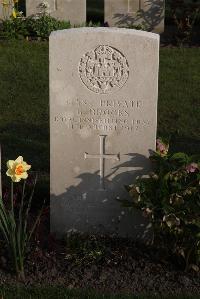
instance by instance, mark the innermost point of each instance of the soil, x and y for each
(104, 264)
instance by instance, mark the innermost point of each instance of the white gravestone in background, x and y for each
(123, 13)
(103, 114)
(6, 8)
(68, 10)
(133, 6)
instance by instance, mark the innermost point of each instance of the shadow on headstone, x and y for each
(87, 208)
(150, 17)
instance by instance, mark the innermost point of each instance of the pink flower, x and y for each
(161, 148)
(192, 167)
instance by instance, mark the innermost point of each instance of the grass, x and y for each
(24, 124)
(179, 100)
(24, 98)
(24, 101)
(62, 293)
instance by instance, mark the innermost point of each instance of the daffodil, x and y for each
(13, 220)
(14, 14)
(17, 169)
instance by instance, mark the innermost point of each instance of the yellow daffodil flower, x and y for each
(14, 13)
(17, 169)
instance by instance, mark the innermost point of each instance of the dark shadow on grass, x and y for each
(28, 140)
(31, 142)
(185, 144)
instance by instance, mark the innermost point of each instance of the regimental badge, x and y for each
(104, 69)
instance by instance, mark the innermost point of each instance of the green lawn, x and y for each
(24, 97)
(61, 293)
(179, 98)
(24, 127)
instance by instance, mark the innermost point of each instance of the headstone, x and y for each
(6, 7)
(127, 13)
(69, 10)
(103, 107)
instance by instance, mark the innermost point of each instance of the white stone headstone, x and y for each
(6, 7)
(124, 13)
(103, 114)
(68, 10)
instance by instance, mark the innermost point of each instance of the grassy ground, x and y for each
(179, 100)
(61, 293)
(24, 96)
(24, 101)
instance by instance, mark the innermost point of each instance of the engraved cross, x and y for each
(102, 157)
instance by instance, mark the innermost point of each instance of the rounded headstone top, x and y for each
(113, 30)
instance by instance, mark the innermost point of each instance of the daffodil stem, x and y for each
(12, 196)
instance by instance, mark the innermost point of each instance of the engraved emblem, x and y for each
(104, 69)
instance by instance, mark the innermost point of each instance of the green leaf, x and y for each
(182, 157)
(166, 176)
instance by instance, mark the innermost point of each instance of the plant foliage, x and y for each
(170, 197)
(34, 27)
(184, 14)
(14, 217)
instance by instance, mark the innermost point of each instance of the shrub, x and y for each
(43, 26)
(170, 197)
(14, 28)
(184, 14)
(34, 26)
